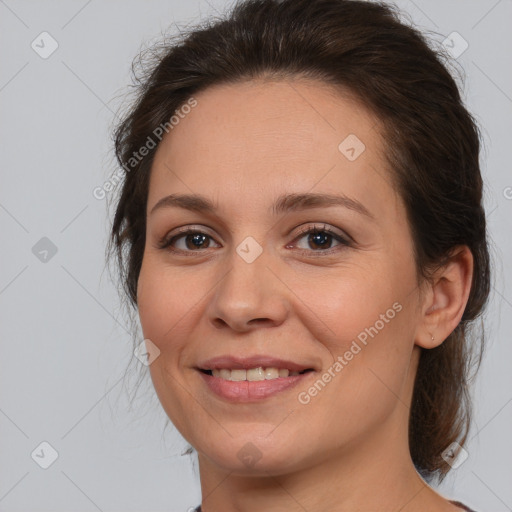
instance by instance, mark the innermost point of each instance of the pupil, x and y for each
(320, 238)
(197, 240)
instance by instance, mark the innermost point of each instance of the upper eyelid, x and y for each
(183, 231)
(334, 231)
(322, 226)
(303, 228)
(190, 227)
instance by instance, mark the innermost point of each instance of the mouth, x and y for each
(250, 379)
(256, 374)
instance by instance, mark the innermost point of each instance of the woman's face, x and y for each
(255, 286)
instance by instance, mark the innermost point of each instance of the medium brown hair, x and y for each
(432, 146)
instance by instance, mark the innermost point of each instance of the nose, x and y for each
(248, 296)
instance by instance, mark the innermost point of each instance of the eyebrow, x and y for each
(294, 202)
(285, 203)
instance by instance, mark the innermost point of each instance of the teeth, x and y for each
(271, 373)
(255, 374)
(237, 375)
(252, 374)
(223, 374)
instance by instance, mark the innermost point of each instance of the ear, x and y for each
(445, 299)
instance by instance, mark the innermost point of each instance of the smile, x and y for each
(250, 378)
(252, 374)
(240, 385)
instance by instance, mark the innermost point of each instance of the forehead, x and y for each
(246, 141)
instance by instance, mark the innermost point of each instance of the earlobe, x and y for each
(427, 340)
(445, 304)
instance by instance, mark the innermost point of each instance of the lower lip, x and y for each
(251, 391)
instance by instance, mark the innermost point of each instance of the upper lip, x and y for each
(234, 362)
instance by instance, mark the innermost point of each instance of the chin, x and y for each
(248, 455)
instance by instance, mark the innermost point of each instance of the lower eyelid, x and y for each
(342, 243)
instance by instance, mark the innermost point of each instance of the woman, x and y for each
(301, 232)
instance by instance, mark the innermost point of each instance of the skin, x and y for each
(242, 146)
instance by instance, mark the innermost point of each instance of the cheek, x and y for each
(352, 303)
(369, 321)
(371, 300)
(164, 302)
(370, 364)
(163, 310)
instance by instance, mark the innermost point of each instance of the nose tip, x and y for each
(245, 298)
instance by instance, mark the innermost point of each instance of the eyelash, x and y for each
(166, 243)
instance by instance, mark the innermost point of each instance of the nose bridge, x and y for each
(247, 291)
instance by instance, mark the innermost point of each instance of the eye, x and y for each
(320, 238)
(191, 240)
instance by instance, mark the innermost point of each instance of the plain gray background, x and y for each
(65, 344)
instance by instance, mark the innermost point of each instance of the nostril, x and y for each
(258, 320)
(219, 323)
